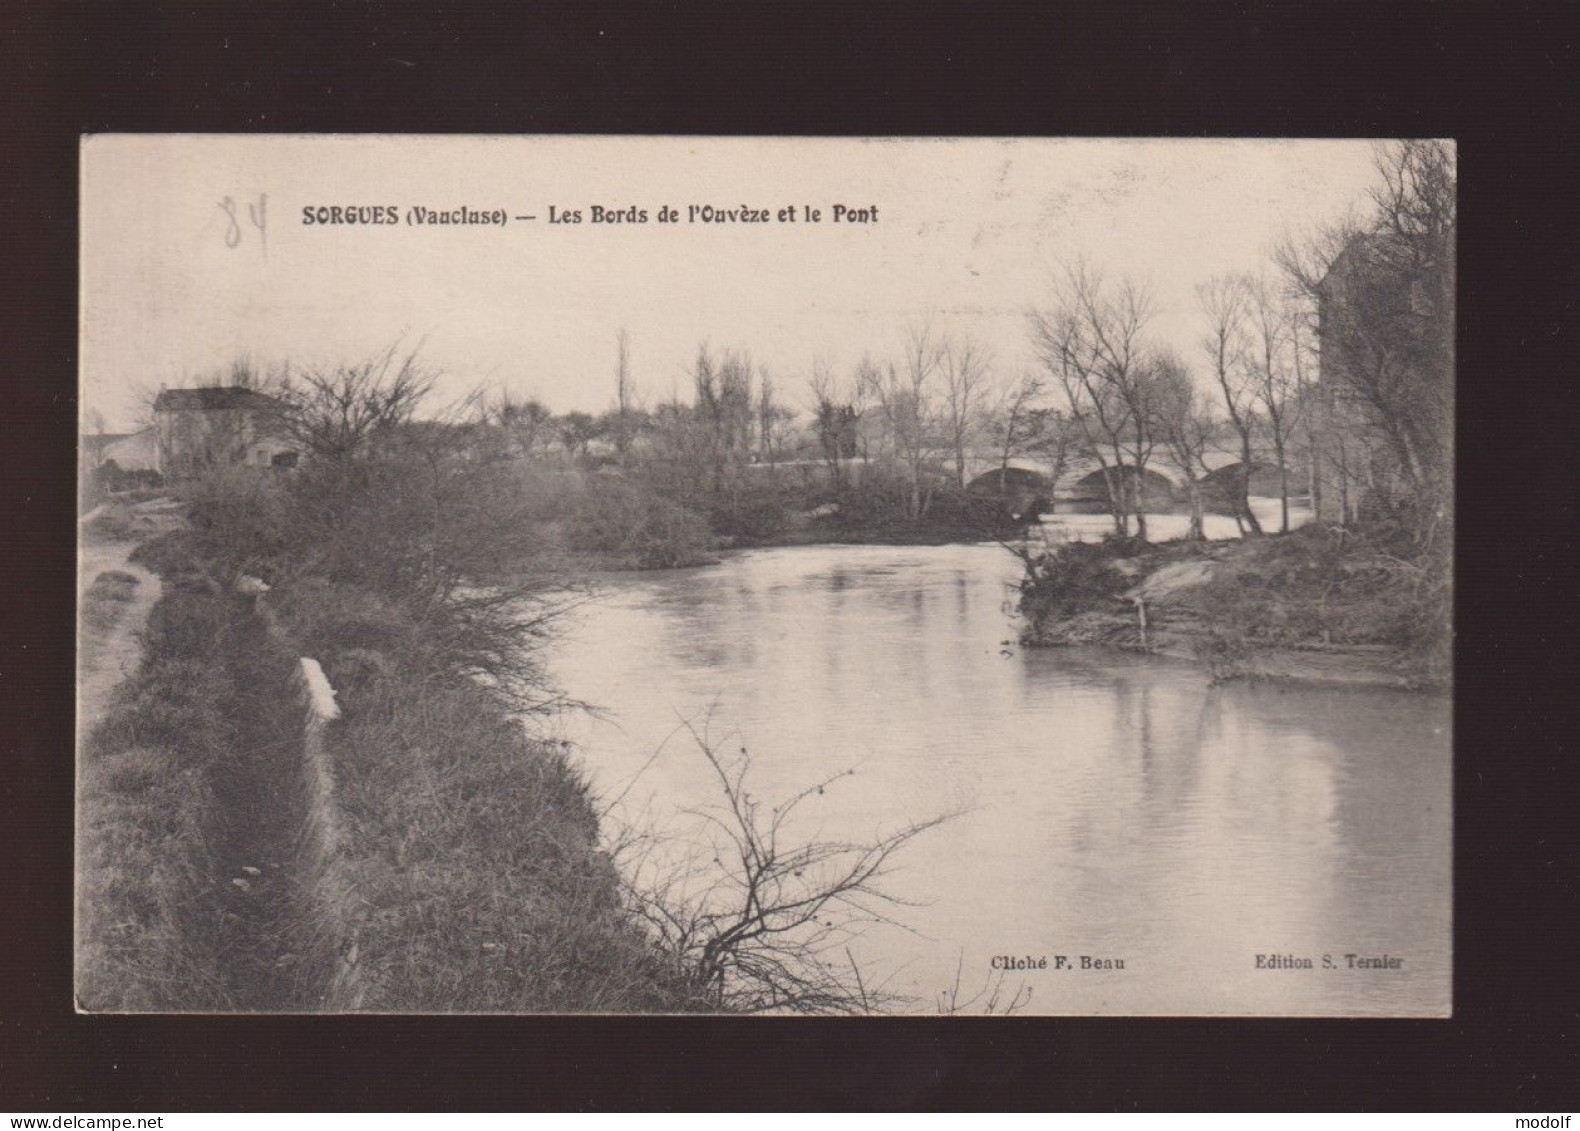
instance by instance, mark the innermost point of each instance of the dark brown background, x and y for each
(1499, 77)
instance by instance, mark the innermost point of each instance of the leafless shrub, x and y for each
(755, 919)
(428, 515)
(337, 413)
(995, 998)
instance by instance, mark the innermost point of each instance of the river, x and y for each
(1107, 805)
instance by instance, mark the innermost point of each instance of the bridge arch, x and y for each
(1018, 491)
(1219, 485)
(1093, 488)
(1008, 480)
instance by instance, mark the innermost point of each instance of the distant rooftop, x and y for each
(216, 397)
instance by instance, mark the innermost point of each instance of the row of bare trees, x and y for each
(1107, 394)
(929, 411)
(1334, 370)
(1133, 403)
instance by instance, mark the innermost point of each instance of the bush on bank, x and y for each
(1072, 579)
(631, 527)
(474, 848)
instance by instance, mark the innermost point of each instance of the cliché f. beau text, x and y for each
(1057, 962)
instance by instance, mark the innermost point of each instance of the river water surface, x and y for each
(1113, 806)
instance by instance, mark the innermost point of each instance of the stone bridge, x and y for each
(1083, 480)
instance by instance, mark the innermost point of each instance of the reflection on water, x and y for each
(1114, 806)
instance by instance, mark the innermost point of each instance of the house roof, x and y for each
(213, 398)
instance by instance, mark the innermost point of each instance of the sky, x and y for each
(969, 236)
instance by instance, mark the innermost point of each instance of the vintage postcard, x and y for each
(925, 577)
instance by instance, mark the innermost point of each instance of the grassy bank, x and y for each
(466, 871)
(471, 846)
(1316, 605)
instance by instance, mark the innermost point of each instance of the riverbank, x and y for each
(1315, 606)
(467, 871)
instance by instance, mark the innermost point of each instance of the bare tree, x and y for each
(825, 415)
(1309, 415)
(1056, 339)
(733, 410)
(524, 425)
(773, 419)
(1023, 426)
(866, 389)
(965, 375)
(423, 513)
(1094, 343)
(338, 414)
(1224, 302)
(624, 394)
(247, 372)
(1016, 422)
(1055, 441)
(1184, 420)
(723, 411)
(907, 401)
(1274, 371)
(836, 418)
(757, 919)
